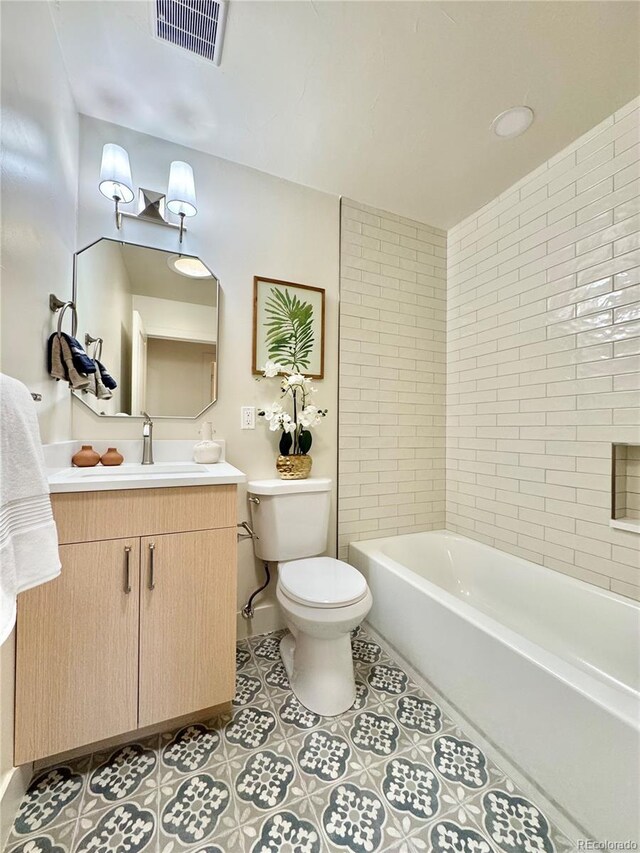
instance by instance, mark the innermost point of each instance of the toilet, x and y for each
(322, 599)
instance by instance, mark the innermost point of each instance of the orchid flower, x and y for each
(309, 417)
(305, 416)
(272, 411)
(271, 369)
(294, 381)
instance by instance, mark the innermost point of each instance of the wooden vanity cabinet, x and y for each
(77, 652)
(139, 628)
(187, 623)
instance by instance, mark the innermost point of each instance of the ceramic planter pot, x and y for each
(294, 467)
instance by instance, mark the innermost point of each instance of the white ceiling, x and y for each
(388, 103)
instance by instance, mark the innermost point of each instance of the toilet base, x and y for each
(320, 672)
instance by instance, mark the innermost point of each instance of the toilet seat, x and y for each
(322, 582)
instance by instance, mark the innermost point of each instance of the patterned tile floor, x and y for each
(392, 774)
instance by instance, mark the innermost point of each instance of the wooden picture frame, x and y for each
(281, 309)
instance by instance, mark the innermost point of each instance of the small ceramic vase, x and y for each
(87, 457)
(112, 457)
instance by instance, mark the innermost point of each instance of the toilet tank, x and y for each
(290, 518)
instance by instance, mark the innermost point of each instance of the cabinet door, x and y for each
(77, 651)
(187, 623)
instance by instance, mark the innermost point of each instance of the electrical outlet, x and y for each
(248, 417)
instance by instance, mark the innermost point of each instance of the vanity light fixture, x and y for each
(116, 184)
(512, 122)
(181, 195)
(115, 176)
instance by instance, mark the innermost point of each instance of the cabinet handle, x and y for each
(152, 583)
(127, 569)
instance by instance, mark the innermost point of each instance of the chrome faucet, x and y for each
(147, 440)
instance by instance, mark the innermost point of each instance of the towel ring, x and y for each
(56, 305)
(97, 350)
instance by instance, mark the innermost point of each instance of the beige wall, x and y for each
(39, 189)
(39, 181)
(392, 375)
(248, 223)
(543, 337)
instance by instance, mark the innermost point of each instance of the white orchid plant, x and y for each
(296, 438)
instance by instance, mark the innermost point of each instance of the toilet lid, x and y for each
(322, 582)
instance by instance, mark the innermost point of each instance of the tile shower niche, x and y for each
(625, 486)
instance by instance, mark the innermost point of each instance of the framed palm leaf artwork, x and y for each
(288, 326)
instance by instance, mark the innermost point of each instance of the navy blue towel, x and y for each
(107, 380)
(81, 361)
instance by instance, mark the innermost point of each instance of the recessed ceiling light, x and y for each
(191, 267)
(512, 122)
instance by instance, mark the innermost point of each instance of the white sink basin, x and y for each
(132, 469)
(174, 467)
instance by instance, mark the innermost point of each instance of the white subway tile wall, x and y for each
(392, 375)
(543, 358)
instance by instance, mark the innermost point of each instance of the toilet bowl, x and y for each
(321, 599)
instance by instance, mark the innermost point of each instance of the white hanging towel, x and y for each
(28, 535)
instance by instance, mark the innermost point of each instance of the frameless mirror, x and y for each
(149, 320)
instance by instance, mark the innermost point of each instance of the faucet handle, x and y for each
(147, 418)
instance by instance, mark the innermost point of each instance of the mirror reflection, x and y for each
(150, 318)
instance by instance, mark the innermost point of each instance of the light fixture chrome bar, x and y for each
(125, 214)
(152, 208)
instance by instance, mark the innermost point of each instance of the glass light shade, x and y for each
(115, 173)
(181, 194)
(512, 122)
(186, 265)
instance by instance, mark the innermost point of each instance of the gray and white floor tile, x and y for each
(392, 775)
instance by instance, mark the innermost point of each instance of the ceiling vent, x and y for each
(195, 25)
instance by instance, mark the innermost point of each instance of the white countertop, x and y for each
(173, 467)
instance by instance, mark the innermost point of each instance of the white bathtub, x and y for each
(547, 667)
